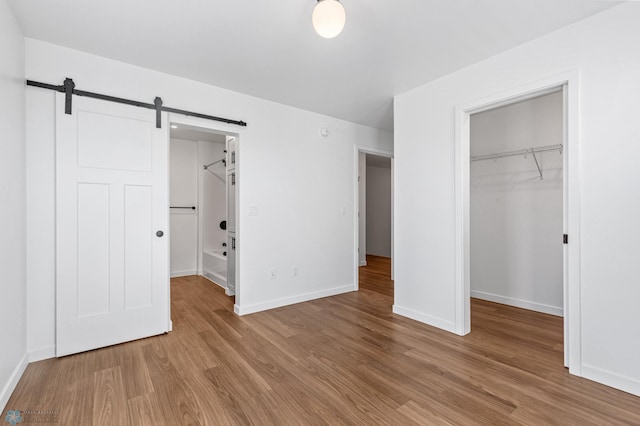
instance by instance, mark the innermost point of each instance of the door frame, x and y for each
(356, 220)
(226, 130)
(569, 81)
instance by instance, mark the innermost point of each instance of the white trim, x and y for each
(356, 198)
(363, 263)
(305, 297)
(519, 303)
(426, 319)
(393, 195)
(178, 274)
(614, 380)
(572, 195)
(11, 384)
(214, 281)
(42, 353)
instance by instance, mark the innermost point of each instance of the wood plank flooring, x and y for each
(340, 360)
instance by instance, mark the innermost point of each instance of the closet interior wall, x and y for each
(515, 216)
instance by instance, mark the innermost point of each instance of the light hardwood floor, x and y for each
(340, 360)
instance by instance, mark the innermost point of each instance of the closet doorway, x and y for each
(202, 185)
(516, 204)
(569, 239)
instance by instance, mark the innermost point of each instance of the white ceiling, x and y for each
(268, 49)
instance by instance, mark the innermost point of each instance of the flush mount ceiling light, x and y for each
(328, 18)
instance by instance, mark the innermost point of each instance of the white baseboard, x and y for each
(177, 274)
(277, 303)
(215, 279)
(449, 326)
(518, 303)
(42, 353)
(609, 378)
(11, 384)
(363, 263)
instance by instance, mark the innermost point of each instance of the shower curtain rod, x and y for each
(206, 166)
(68, 88)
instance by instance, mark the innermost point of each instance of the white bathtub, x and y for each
(214, 267)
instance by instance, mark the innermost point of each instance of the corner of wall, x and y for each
(445, 325)
(11, 384)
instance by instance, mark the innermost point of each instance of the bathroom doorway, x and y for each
(374, 216)
(202, 185)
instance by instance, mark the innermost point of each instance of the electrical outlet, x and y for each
(294, 271)
(273, 273)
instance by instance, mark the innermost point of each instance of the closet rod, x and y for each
(525, 151)
(68, 88)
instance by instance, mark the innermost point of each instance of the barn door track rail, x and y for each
(69, 89)
(519, 152)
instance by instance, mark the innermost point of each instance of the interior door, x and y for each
(112, 278)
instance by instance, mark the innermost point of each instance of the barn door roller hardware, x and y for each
(69, 89)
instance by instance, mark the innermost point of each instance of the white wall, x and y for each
(604, 48)
(183, 191)
(379, 211)
(299, 182)
(12, 214)
(516, 218)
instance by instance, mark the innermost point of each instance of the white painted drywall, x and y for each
(183, 192)
(379, 210)
(604, 49)
(515, 217)
(13, 212)
(362, 206)
(299, 182)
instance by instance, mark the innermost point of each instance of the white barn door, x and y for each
(112, 278)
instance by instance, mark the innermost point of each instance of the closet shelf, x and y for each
(525, 152)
